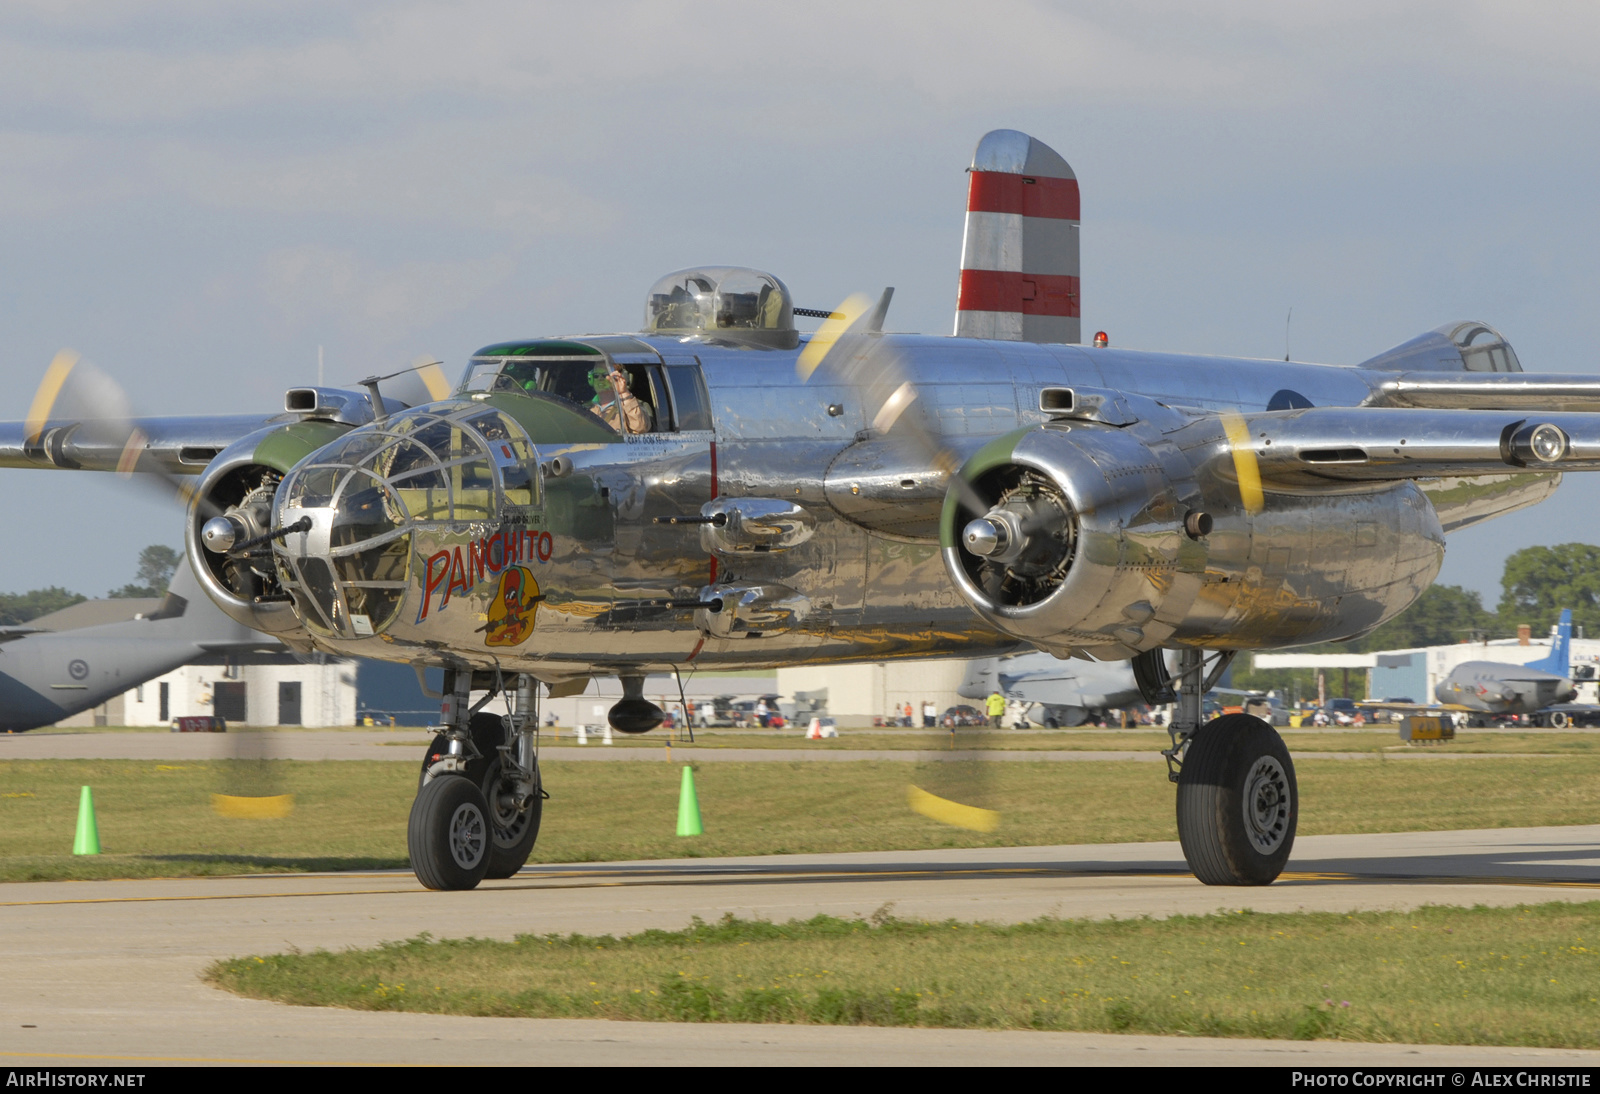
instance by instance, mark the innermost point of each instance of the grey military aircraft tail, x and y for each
(46, 676)
(1500, 689)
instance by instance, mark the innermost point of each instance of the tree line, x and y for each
(1536, 584)
(154, 572)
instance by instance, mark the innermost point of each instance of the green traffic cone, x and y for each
(87, 841)
(688, 806)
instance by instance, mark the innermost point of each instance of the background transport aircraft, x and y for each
(46, 676)
(1070, 692)
(1497, 688)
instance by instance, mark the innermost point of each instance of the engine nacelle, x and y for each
(1082, 536)
(1084, 528)
(239, 486)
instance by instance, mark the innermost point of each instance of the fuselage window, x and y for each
(690, 404)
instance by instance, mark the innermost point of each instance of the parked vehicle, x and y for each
(1269, 708)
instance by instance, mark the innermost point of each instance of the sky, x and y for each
(197, 197)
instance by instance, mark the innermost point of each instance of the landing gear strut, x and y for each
(479, 798)
(1238, 803)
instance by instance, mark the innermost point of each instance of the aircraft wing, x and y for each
(1379, 443)
(11, 634)
(178, 446)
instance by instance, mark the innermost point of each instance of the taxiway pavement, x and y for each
(109, 972)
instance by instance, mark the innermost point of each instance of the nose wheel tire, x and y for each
(515, 830)
(449, 834)
(1238, 803)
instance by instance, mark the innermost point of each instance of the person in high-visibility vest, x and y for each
(996, 704)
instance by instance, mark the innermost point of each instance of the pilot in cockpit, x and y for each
(615, 403)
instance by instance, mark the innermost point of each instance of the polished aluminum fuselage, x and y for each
(1321, 562)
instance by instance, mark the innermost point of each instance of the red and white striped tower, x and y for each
(1019, 260)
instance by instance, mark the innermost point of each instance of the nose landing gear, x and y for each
(493, 758)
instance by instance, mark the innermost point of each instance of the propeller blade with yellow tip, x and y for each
(44, 399)
(1245, 465)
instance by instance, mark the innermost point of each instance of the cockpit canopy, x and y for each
(363, 495)
(727, 302)
(1468, 346)
(1482, 348)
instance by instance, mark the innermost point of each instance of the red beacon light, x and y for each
(1100, 339)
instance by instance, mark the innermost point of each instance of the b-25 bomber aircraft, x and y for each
(758, 497)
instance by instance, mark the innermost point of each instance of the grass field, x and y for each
(1129, 740)
(1501, 976)
(155, 819)
(1145, 739)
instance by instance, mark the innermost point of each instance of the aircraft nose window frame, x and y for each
(365, 495)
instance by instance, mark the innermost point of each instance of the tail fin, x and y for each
(1019, 260)
(982, 678)
(1559, 660)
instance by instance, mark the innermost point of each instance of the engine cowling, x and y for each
(239, 486)
(1082, 536)
(1080, 540)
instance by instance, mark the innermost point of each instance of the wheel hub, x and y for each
(1266, 805)
(510, 819)
(468, 836)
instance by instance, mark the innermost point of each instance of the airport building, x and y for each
(265, 689)
(856, 694)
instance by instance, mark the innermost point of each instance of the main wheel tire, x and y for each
(1238, 803)
(515, 831)
(449, 834)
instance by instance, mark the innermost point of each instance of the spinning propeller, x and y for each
(81, 417)
(954, 787)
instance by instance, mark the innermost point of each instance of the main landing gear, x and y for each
(1238, 803)
(479, 799)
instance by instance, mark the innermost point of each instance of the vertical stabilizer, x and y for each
(1019, 260)
(1559, 660)
(981, 678)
